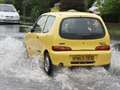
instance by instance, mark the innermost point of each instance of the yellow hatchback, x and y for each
(69, 39)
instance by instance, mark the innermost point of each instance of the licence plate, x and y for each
(83, 58)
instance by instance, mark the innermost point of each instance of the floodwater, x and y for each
(17, 72)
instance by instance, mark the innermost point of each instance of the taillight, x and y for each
(61, 48)
(102, 48)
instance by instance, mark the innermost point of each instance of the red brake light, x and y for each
(102, 48)
(61, 48)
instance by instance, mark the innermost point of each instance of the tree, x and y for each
(33, 8)
(39, 7)
(8, 1)
(18, 5)
(110, 10)
(1, 1)
(111, 7)
(90, 3)
(26, 10)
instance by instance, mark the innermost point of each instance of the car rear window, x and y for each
(7, 8)
(82, 28)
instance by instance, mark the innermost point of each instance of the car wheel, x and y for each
(48, 67)
(107, 67)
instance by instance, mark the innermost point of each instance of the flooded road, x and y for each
(15, 31)
(17, 72)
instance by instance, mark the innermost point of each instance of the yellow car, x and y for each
(69, 39)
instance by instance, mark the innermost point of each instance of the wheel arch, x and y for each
(45, 51)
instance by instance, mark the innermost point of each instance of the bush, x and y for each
(110, 10)
(1, 1)
(111, 6)
(39, 7)
(111, 18)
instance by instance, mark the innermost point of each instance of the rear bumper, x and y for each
(100, 58)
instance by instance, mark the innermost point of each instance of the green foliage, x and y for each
(31, 8)
(90, 2)
(18, 5)
(8, 1)
(111, 7)
(1, 1)
(39, 7)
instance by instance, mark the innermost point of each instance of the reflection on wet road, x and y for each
(17, 72)
(15, 31)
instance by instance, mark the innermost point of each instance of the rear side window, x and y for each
(49, 24)
(41, 22)
(82, 28)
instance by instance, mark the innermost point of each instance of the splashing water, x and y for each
(14, 63)
(115, 64)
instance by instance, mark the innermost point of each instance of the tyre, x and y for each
(48, 67)
(107, 67)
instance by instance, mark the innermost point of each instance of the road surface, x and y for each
(17, 72)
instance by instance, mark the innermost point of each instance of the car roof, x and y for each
(72, 14)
